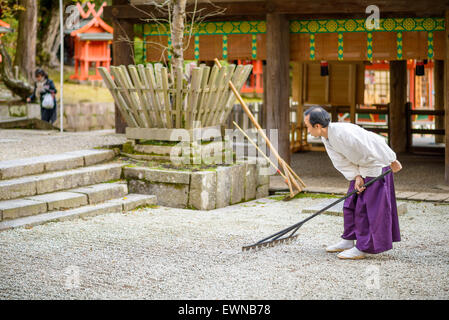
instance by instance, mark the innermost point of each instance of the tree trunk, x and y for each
(50, 40)
(20, 88)
(26, 39)
(177, 32)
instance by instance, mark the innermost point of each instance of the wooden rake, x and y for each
(290, 177)
(279, 237)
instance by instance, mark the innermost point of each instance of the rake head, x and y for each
(290, 196)
(270, 243)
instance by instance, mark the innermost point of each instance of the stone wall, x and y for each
(19, 109)
(77, 117)
(203, 190)
(88, 116)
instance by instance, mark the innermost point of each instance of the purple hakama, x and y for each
(371, 217)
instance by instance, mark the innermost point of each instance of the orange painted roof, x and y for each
(95, 22)
(4, 24)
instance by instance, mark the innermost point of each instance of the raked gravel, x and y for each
(166, 253)
(22, 143)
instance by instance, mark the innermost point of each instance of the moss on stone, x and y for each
(128, 147)
(304, 195)
(146, 206)
(158, 142)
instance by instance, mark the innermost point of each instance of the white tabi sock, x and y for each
(342, 245)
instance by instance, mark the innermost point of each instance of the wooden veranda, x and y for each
(303, 33)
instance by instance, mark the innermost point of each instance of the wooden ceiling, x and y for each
(255, 9)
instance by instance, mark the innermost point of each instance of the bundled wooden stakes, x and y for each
(291, 178)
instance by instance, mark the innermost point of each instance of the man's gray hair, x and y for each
(318, 115)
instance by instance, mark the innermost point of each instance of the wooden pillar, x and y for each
(297, 79)
(278, 81)
(123, 53)
(297, 85)
(438, 80)
(446, 98)
(398, 95)
(352, 90)
(264, 95)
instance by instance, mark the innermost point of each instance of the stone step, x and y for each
(127, 203)
(73, 198)
(337, 210)
(69, 160)
(59, 180)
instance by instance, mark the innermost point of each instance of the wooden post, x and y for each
(297, 85)
(439, 96)
(352, 92)
(123, 53)
(446, 98)
(397, 114)
(264, 96)
(278, 81)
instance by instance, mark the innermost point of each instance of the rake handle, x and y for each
(299, 224)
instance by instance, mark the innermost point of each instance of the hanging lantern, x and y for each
(419, 68)
(324, 68)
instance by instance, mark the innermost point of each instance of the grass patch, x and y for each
(304, 195)
(76, 93)
(146, 206)
(114, 181)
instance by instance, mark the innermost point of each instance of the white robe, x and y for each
(356, 151)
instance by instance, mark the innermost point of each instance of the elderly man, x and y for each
(370, 216)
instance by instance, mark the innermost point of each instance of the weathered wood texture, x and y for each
(397, 116)
(292, 7)
(343, 86)
(446, 96)
(278, 81)
(439, 96)
(123, 54)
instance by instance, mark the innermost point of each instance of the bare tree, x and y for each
(179, 20)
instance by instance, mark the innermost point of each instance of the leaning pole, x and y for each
(61, 59)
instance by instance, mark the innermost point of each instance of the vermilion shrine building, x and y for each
(91, 43)
(4, 28)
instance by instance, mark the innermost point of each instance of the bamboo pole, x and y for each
(261, 152)
(257, 125)
(288, 179)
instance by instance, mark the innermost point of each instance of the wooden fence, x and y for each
(238, 115)
(148, 97)
(410, 130)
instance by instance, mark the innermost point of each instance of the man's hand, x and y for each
(359, 182)
(28, 99)
(396, 166)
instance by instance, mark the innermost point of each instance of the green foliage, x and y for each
(138, 51)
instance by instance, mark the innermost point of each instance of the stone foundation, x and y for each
(87, 116)
(207, 189)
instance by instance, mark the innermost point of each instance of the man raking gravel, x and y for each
(370, 216)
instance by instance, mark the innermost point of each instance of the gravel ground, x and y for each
(22, 143)
(165, 253)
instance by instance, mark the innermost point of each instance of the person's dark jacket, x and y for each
(49, 87)
(48, 115)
